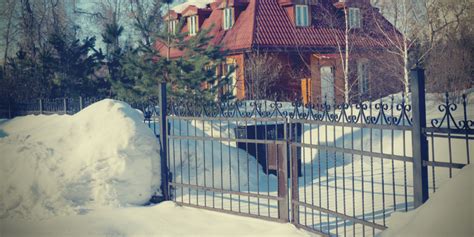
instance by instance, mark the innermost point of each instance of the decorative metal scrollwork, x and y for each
(389, 111)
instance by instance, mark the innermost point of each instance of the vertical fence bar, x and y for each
(81, 103)
(419, 139)
(163, 142)
(65, 105)
(283, 177)
(41, 106)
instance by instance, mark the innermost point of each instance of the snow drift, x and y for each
(212, 162)
(103, 156)
(449, 212)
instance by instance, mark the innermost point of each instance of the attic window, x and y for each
(193, 25)
(228, 18)
(301, 15)
(172, 26)
(354, 18)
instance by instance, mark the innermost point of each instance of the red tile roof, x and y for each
(266, 24)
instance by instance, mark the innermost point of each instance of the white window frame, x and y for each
(228, 18)
(232, 86)
(363, 76)
(302, 15)
(172, 26)
(193, 25)
(355, 19)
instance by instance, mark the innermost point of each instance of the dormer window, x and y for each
(354, 18)
(193, 25)
(302, 15)
(228, 18)
(172, 24)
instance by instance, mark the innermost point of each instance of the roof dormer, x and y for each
(195, 17)
(172, 15)
(172, 19)
(230, 11)
(353, 11)
(299, 11)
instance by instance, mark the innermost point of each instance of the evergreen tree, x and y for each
(74, 63)
(114, 53)
(191, 77)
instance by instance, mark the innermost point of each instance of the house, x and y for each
(307, 43)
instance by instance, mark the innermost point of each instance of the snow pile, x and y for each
(104, 156)
(212, 163)
(449, 212)
(197, 3)
(165, 219)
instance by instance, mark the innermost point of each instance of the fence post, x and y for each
(81, 105)
(419, 139)
(65, 105)
(41, 106)
(164, 142)
(282, 170)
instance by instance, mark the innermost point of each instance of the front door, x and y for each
(327, 84)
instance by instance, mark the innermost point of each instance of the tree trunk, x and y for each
(346, 60)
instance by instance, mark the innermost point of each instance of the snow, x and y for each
(90, 174)
(78, 191)
(198, 3)
(370, 186)
(191, 161)
(165, 219)
(103, 156)
(449, 212)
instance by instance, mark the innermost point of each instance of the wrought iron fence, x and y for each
(70, 105)
(331, 169)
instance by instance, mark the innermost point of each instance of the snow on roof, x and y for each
(198, 3)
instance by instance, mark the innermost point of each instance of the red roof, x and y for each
(266, 24)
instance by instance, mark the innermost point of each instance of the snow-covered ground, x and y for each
(92, 174)
(165, 219)
(449, 212)
(98, 165)
(360, 186)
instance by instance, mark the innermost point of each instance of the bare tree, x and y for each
(419, 26)
(401, 33)
(147, 18)
(450, 34)
(262, 70)
(344, 46)
(10, 28)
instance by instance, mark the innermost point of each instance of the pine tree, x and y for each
(74, 63)
(191, 77)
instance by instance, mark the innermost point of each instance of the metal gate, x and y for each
(335, 170)
(229, 163)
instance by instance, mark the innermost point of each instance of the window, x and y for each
(354, 18)
(193, 25)
(230, 88)
(302, 15)
(172, 26)
(363, 77)
(228, 18)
